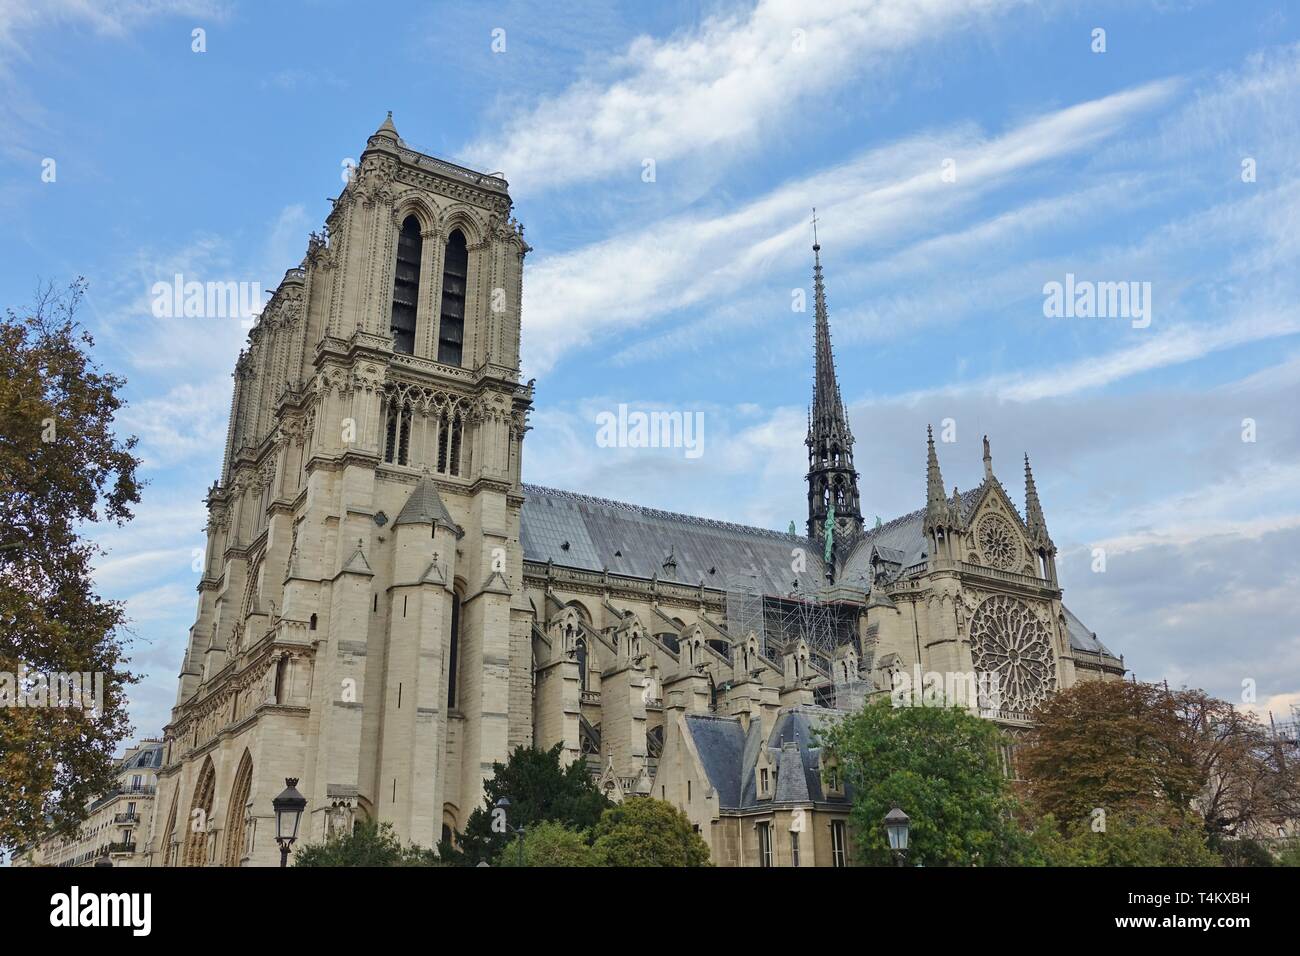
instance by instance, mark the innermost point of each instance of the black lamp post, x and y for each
(288, 814)
(504, 805)
(897, 824)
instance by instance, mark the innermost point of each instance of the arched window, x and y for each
(442, 442)
(406, 286)
(451, 322)
(453, 456)
(397, 433)
(453, 650)
(582, 663)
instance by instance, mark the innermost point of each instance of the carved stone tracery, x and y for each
(998, 542)
(1010, 641)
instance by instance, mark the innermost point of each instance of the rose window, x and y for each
(998, 542)
(1010, 643)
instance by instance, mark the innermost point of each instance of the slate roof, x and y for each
(730, 755)
(1082, 639)
(900, 540)
(711, 551)
(149, 755)
(720, 742)
(705, 550)
(424, 506)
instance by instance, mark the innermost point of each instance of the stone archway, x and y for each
(237, 814)
(196, 823)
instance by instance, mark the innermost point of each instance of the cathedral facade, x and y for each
(386, 608)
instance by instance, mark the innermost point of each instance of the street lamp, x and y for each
(897, 824)
(503, 805)
(288, 813)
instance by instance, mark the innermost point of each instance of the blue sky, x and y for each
(1122, 165)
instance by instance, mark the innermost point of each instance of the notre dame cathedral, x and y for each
(386, 609)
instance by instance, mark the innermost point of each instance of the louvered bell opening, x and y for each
(451, 325)
(406, 286)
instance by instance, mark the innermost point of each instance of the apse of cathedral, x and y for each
(386, 608)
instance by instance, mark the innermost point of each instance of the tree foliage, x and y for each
(551, 844)
(1114, 745)
(61, 467)
(368, 844)
(1249, 778)
(538, 788)
(942, 766)
(1145, 751)
(1127, 839)
(643, 831)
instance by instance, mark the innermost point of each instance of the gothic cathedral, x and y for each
(386, 609)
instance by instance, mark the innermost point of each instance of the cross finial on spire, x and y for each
(816, 244)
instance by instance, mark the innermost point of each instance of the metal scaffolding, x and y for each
(779, 621)
(745, 609)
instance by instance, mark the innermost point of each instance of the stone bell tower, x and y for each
(418, 369)
(361, 622)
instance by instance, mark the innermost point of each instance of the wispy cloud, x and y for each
(111, 17)
(718, 87)
(893, 190)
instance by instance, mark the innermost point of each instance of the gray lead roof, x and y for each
(632, 540)
(636, 541)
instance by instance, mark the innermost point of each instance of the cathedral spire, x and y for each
(826, 388)
(831, 477)
(933, 476)
(936, 504)
(1040, 541)
(1034, 519)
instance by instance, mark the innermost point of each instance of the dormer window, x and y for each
(764, 775)
(832, 776)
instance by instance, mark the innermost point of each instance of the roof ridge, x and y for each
(660, 513)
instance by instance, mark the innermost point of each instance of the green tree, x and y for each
(539, 788)
(62, 467)
(1289, 853)
(368, 844)
(1242, 851)
(1128, 839)
(642, 831)
(941, 766)
(551, 844)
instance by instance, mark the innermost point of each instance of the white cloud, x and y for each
(717, 88)
(1174, 346)
(110, 17)
(624, 281)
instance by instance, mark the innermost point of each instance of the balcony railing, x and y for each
(126, 818)
(143, 791)
(121, 847)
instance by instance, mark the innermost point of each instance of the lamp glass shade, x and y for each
(897, 824)
(288, 810)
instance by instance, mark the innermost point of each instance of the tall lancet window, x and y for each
(406, 286)
(453, 650)
(451, 323)
(397, 434)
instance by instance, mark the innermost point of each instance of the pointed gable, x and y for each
(425, 506)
